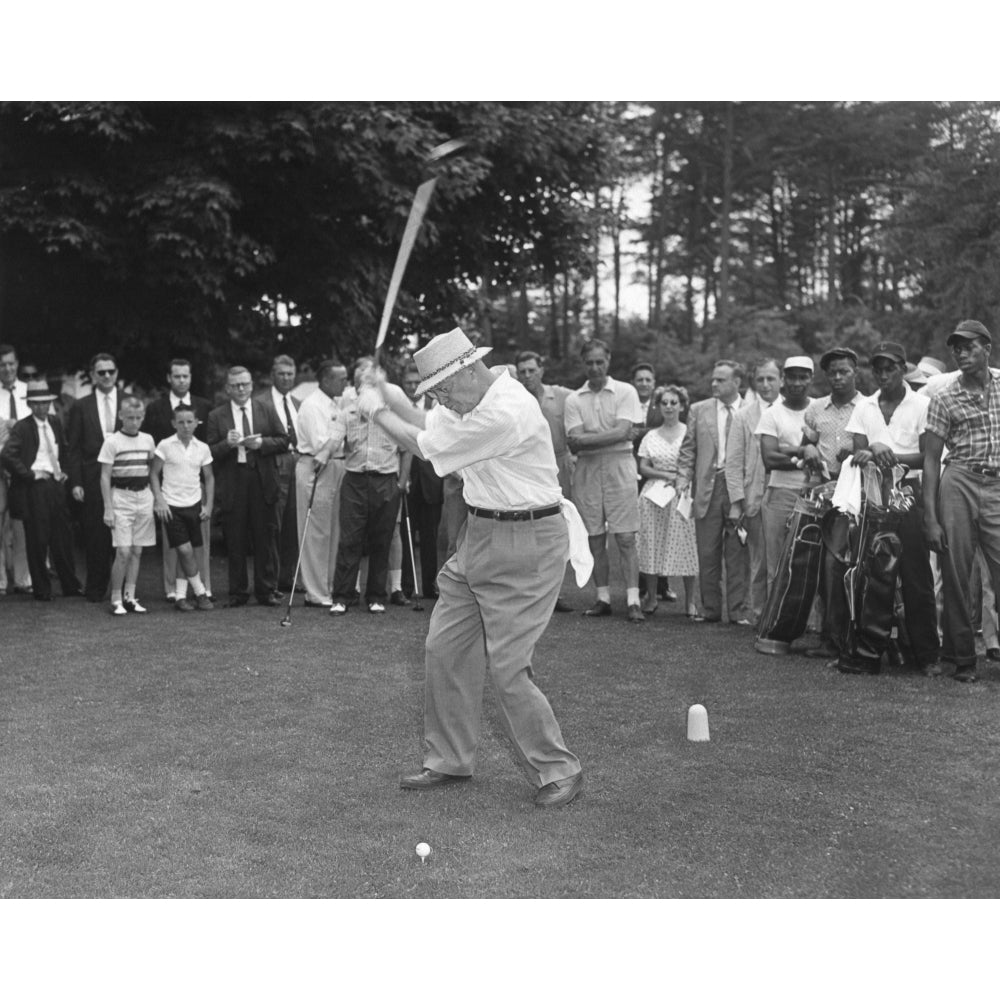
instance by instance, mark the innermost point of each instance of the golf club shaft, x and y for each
(417, 210)
(413, 562)
(302, 539)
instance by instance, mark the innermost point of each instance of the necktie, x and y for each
(50, 448)
(246, 422)
(292, 439)
(109, 420)
(13, 406)
(729, 420)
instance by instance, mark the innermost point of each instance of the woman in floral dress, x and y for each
(666, 539)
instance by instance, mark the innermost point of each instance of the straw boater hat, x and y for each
(39, 392)
(446, 354)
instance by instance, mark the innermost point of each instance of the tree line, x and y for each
(223, 230)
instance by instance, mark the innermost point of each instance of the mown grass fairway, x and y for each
(218, 755)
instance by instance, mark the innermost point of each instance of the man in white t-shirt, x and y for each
(781, 446)
(888, 429)
(498, 591)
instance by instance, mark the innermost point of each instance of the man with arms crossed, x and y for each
(601, 417)
(498, 590)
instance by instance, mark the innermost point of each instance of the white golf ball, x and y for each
(423, 850)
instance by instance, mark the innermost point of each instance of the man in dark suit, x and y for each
(424, 503)
(91, 419)
(244, 436)
(33, 456)
(159, 425)
(285, 543)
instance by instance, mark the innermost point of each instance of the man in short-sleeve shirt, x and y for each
(601, 417)
(498, 590)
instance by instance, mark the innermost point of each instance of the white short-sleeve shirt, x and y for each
(181, 477)
(786, 425)
(902, 433)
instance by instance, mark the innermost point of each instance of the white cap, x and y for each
(799, 361)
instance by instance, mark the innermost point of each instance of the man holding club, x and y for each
(498, 591)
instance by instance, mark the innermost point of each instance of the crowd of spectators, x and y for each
(696, 493)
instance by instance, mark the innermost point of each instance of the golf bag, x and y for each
(872, 556)
(791, 596)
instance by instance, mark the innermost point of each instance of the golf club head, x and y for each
(285, 622)
(417, 606)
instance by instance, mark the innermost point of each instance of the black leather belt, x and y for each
(515, 515)
(131, 489)
(985, 470)
(369, 472)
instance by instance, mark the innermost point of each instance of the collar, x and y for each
(177, 400)
(828, 401)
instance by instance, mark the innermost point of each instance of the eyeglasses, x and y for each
(28, 373)
(241, 385)
(105, 371)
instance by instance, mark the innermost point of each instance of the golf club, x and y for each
(417, 606)
(417, 209)
(287, 620)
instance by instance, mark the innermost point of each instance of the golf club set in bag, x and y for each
(865, 550)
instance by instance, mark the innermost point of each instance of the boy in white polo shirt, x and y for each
(178, 464)
(128, 503)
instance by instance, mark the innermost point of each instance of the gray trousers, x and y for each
(497, 593)
(715, 544)
(322, 534)
(969, 511)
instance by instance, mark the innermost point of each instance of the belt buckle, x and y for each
(497, 515)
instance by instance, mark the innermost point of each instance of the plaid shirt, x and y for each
(967, 422)
(826, 427)
(367, 448)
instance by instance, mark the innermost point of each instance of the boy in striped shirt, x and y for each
(125, 458)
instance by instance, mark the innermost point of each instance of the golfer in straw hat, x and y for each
(498, 591)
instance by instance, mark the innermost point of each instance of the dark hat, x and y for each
(970, 329)
(891, 350)
(38, 392)
(837, 354)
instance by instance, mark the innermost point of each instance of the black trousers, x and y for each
(369, 503)
(285, 544)
(97, 548)
(47, 530)
(250, 526)
(424, 520)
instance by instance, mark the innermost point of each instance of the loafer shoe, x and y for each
(635, 615)
(561, 605)
(338, 608)
(204, 603)
(398, 598)
(183, 605)
(601, 609)
(268, 601)
(376, 608)
(559, 793)
(426, 778)
(966, 675)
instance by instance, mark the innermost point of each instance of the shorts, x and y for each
(133, 517)
(184, 526)
(606, 492)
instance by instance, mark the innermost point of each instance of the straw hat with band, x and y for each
(445, 355)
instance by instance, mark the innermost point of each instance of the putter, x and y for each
(420, 202)
(417, 606)
(287, 620)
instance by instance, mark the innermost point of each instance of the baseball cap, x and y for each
(836, 354)
(891, 350)
(970, 329)
(798, 361)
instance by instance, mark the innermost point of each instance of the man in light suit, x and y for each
(745, 475)
(285, 542)
(244, 436)
(158, 423)
(91, 420)
(13, 407)
(701, 465)
(33, 455)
